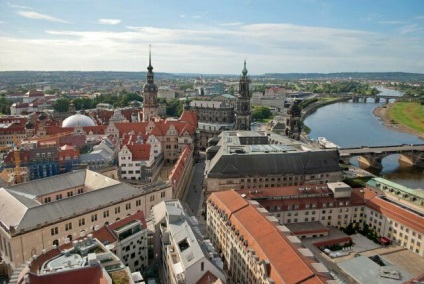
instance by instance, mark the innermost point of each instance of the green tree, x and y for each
(174, 107)
(5, 105)
(261, 112)
(61, 105)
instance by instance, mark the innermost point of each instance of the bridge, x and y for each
(372, 156)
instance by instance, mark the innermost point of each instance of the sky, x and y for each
(213, 37)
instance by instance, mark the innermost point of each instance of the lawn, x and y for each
(408, 114)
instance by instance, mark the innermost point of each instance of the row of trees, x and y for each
(341, 87)
(174, 107)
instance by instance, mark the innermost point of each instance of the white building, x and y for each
(132, 247)
(140, 161)
(184, 258)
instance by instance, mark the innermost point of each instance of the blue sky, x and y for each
(210, 37)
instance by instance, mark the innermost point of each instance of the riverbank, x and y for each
(382, 112)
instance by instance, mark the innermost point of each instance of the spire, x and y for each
(150, 67)
(244, 72)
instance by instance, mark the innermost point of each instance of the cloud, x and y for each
(391, 22)
(419, 17)
(108, 21)
(39, 16)
(216, 49)
(18, 6)
(182, 16)
(231, 24)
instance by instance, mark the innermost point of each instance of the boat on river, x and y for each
(326, 144)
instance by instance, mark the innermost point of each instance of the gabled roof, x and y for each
(140, 152)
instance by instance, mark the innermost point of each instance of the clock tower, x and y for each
(243, 115)
(150, 94)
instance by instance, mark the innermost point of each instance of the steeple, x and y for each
(243, 114)
(150, 67)
(150, 91)
(244, 72)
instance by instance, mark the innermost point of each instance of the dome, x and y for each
(78, 120)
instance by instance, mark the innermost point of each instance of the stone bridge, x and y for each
(358, 98)
(372, 156)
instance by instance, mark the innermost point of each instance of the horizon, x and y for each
(305, 36)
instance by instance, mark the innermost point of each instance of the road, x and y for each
(193, 194)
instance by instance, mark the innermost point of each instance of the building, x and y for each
(184, 257)
(333, 204)
(399, 222)
(166, 92)
(46, 212)
(255, 248)
(243, 113)
(338, 205)
(131, 241)
(150, 93)
(85, 260)
(249, 159)
(214, 117)
(139, 160)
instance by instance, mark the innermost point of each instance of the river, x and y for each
(349, 124)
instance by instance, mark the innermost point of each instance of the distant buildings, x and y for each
(214, 117)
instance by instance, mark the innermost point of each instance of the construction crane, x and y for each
(17, 156)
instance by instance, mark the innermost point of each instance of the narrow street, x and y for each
(193, 195)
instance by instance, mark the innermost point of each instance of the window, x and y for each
(81, 222)
(58, 196)
(70, 193)
(128, 206)
(68, 226)
(162, 194)
(54, 231)
(152, 198)
(93, 217)
(80, 190)
(106, 214)
(47, 200)
(117, 210)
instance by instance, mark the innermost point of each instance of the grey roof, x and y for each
(48, 185)
(236, 165)
(19, 209)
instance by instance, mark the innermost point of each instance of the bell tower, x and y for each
(243, 115)
(150, 93)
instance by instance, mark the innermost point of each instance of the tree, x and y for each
(61, 105)
(261, 112)
(5, 105)
(174, 107)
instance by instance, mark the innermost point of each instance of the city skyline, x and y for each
(194, 37)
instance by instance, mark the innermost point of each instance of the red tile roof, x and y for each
(140, 152)
(287, 265)
(178, 170)
(394, 212)
(139, 216)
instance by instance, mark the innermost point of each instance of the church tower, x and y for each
(243, 115)
(150, 94)
(293, 123)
